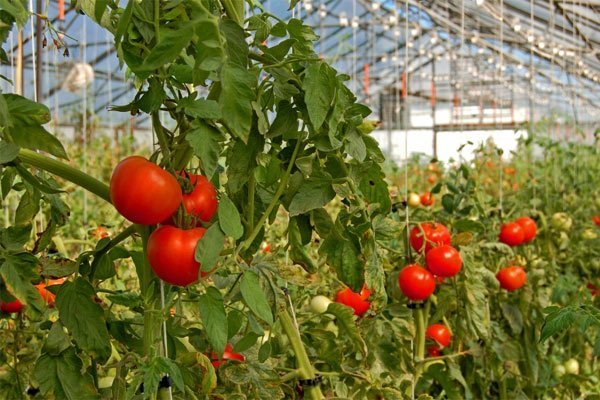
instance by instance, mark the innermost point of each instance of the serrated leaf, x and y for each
(209, 248)
(17, 271)
(35, 137)
(61, 375)
(319, 84)
(205, 141)
(513, 316)
(169, 48)
(156, 369)
(255, 297)
(343, 256)
(8, 152)
(57, 267)
(229, 218)
(345, 322)
(312, 194)
(84, 318)
(57, 340)
(201, 108)
(214, 318)
(237, 94)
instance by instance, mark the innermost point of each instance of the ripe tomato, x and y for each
(201, 202)
(596, 220)
(509, 170)
(357, 301)
(100, 232)
(444, 261)
(434, 351)
(47, 295)
(432, 179)
(427, 199)
(266, 247)
(10, 307)
(143, 192)
(435, 235)
(594, 290)
(413, 200)
(511, 234)
(319, 304)
(529, 228)
(171, 254)
(228, 354)
(416, 282)
(439, 333)
(511, 278)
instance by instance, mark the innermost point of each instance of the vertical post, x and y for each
(433, 106)
(38, 48)
(19, 73)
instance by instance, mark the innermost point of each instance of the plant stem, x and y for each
(275, 201)
(127, 232)
(305, 369)
(66, 172)
(251, 191)
(160, 135)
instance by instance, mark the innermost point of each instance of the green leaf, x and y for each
(172, 42)
(255, 297)
(448, 202)
(127, 299)
(17, 9)
(201, 108)
(205, 141)
(23, 111)
(28, 207)
(237, 93)
(209, 248)
(214, 318)
(57, 340)
(8, 152)
(84, 318)
(57, 267)
(155, 370)
(236, 46)
(17, 271)
(343, 256)
(61, 375)
(312, 194)
(345, 322)
(355, 145)
(124, 21)
(513, 316)
(467, 225)
(242, 161)
(319, 84)
(229, 218)
(153, 98)
(37, 138)
(99, 9)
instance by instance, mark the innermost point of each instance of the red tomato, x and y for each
(529, 228)
(434, 351)
(10, 307)
(171, 254)
(444, 261)
(228, 354)
(100, 232)
(511, 278)
(47, 295)
(143, 192)
(439, 333)
(435, 235)
(594, 290)
(416, 282)
(201, 202)
(357, 301)
(511, 234)
(596, 220)
(427, 199)
(266, 247)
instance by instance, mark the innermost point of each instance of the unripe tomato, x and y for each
(558, 371)
(10, 307)
(357, 301)
(47, 295)
(435, 235)
(143, 192)
(596, 220)
(427, 199)
(201, 202)
(444, 261)
(572, 366)
(416, 282)
(511, 234)
(439, 333)
(413, 200)
(319, 304)
(561, 221)
(434, 351)
(171, 254)
(529, 228)
(432, 179)
(511, 278)
(589, 234)
(228, 354)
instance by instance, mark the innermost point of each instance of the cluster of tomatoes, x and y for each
(146, 194)
(15, 306)
(522, 230)
(426, 199)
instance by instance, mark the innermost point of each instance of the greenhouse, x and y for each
(301, 199)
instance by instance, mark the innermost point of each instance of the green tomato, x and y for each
(572, 366)
(558, 371)
(319, 304)
(589, 234)
(561, 221)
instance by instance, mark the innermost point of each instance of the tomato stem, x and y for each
(66, 172)
(127, 232)
(305, 369)
(160, 135)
